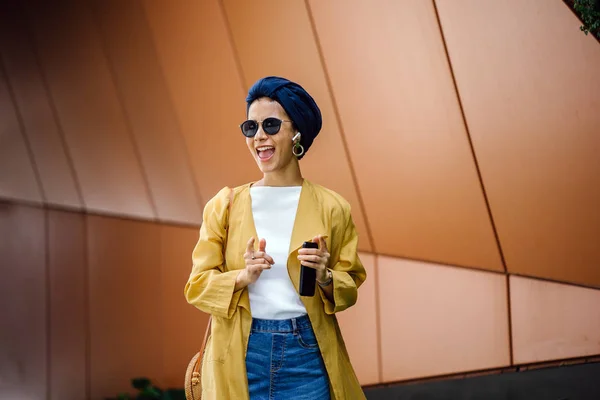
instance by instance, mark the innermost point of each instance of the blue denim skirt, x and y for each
(283, 361)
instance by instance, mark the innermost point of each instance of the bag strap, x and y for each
(207, 333)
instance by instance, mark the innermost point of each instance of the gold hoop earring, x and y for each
(298, 149)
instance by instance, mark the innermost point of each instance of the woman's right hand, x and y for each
(256, 263)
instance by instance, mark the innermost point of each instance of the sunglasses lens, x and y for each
(271, 125)
(249, 128)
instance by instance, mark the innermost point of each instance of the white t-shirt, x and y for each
(273, 295)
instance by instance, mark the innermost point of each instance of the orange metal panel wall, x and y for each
(17, 177)
(39, 124)
(359, 325)
(88, 108)
(148, 109)
(125, 303)
(438, 320)
(67, 282)
(405, 132)
(23, 336)
(200, 71)
(530, 87)
(552, 321)
(264, 49)
(132, 109)
(182, 326)
(105, 303)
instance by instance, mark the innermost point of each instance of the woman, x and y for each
(267, 341)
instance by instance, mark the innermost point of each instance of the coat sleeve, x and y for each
(210, 286)
(348, 272)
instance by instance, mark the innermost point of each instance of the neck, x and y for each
(288, 176)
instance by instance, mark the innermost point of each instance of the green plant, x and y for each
(589, 13)
(147, 391)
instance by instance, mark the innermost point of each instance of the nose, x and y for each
(260, 134)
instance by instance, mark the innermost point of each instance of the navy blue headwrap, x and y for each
(297, 103)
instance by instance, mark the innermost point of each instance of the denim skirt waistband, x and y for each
(281, 325)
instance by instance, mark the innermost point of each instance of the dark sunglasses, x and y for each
(270, 126)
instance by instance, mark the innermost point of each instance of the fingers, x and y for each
(311, 258)
(253, 257)
(266, 259)
(323, 244)
(311, 264)
(312, 261)
(315, 258)
(256, 261)
(322, 247)
(262, 245)
(250, 246)
(265, 256)
(313, 252)
(305, 251)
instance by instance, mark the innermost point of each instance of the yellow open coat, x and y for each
(211, 286)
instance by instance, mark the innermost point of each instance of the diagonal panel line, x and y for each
(355, 182)
(479, 176)
(51, 102)
(236, 56)
(336, 112)
(468, 131)
(22, 131)
(122, 105)
(171, 102)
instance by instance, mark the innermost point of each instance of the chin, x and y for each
(266, 167)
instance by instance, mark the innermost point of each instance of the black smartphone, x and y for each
(308, 276)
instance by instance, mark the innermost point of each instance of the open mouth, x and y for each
(265, 152)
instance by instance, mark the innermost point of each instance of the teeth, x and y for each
(264, 148)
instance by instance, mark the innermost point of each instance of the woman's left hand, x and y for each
(316, 258)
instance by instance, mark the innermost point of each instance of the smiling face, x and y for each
(272, 153)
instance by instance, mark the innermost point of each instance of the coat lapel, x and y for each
(308, 223)
(248, 230)
(248, 226)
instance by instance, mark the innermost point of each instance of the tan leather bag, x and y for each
(193, 374)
